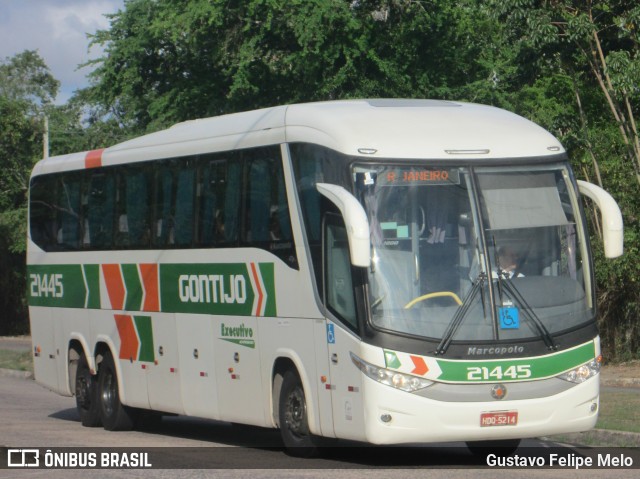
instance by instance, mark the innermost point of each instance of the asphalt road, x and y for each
(31, 416)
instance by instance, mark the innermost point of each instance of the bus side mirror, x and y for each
(611, 218)
(355, 220)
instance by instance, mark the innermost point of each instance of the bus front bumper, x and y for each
(395, 417)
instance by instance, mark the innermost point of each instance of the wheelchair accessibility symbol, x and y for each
(331, 334)
(509, 318)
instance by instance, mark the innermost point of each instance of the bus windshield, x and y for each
(491, 253)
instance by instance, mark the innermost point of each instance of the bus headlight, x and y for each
(582, 373)
(405, 382)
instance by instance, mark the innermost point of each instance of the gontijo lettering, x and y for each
(212, 288)
(237, 289)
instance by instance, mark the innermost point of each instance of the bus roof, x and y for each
(381, 128)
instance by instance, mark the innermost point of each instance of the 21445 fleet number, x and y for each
(498, 373)
(47, 285)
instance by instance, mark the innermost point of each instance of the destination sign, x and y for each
(418, 176)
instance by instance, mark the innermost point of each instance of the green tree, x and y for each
(168, 61)
(596, 42)
(27, 89)
(26, 77)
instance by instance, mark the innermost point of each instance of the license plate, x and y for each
(498, 418)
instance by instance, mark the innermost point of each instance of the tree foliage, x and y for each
(26, 89)
(169, 60)
(26, 78)
(596, 43)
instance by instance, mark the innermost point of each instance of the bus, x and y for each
(382, 271)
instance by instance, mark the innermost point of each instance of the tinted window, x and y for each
(229, 199)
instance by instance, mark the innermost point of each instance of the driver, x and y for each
(508, 262)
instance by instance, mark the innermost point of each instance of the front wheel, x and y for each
(115, 416)
(292, 414)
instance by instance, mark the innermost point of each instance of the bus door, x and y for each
(341, 331)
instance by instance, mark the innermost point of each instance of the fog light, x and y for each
(594, 407)
(386, 418)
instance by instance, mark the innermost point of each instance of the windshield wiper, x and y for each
(461, 313)
(528, 312)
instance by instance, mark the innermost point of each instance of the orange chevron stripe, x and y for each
(129, 343)
(149, 274)
(421, 367)
(93, 159)
(115, 285)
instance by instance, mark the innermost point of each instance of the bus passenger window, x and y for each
(184, 207)
(55, 212)
(138, 196)
(101, 202)
(231, 215)
(43, 222)
(259, 201)
(267, 224)
(163, 235)
(69, 207)
(207, 202)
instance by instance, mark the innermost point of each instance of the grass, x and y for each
(18, 360)
(619, 410)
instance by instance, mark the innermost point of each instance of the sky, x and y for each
(57, 29)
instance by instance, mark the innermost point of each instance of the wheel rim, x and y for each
(109, 393)
(295, 412)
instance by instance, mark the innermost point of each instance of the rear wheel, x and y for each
(87, 394)
(115, 416)
(292, 414)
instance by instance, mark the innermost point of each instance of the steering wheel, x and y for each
(377, 302)
(438, 294)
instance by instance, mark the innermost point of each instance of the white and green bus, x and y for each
(329, 269)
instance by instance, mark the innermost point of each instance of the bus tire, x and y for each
(87, 402)
(115, 416)
(293, 419)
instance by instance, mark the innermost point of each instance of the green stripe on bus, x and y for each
(92, 277)
(225, 289)
(516, 369)
(133, 287)
(267, 270)
(145, 333)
